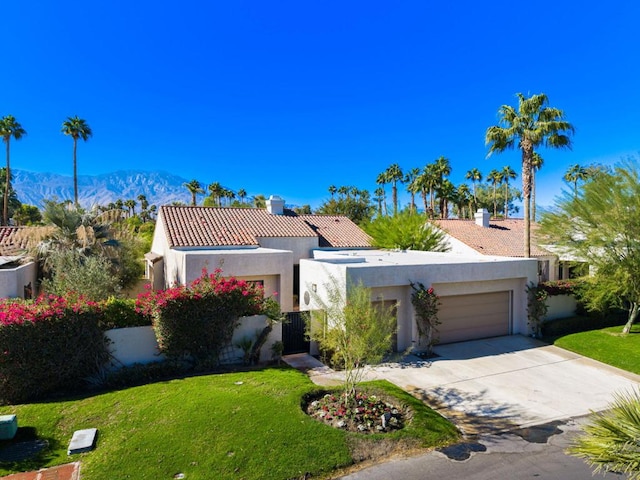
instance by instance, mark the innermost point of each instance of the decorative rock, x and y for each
(8, 426)
(82, 441)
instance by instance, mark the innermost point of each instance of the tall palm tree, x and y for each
(379, 198)
(575, 173)
(532, 124)
(131, 206)
(507, 173)
(9, 127)
(462, 199)
(194, 187)
(441, 169)
(394, 175)
(216, 190)
(242, 193)
(332, 190)
(382, 181)
(412, 186)
(495, 178)
(446, 193)
(76, 128)
(475, 176)
(536, 164)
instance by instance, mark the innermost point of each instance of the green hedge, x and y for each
(48, 346)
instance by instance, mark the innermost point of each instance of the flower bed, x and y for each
(364, 413)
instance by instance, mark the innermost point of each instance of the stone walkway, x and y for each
(69, 471)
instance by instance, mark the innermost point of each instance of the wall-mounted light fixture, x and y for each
(314, 287)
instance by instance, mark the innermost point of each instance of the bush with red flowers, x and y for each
(194, 322)
(49, 344)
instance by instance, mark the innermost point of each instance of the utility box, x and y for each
(8, 426)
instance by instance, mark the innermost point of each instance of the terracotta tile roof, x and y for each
(14, 240)
(226, 226)
(502, 237)
(337, 231)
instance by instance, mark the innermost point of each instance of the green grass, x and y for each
(606, 345)
(247, 425)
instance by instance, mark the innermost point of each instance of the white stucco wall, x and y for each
(13, 280)
(560, 306)
(301, 247)
(389, 275)
(274, 267)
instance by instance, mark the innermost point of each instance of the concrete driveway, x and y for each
(497, 384)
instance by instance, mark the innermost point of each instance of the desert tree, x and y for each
(601, 225)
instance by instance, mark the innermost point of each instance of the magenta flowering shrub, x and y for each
(196, 321)
(49, 344)
(560, 287)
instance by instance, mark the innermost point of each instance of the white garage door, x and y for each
(468, 317)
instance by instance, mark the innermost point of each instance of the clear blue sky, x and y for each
(288, 97)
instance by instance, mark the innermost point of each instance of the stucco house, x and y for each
(18, 274)
(501, 237)
(258, 244)
(480, 296)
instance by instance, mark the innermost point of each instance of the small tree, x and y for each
(406, 231)
(536, 308)
(601, 223)
(425, 302)
(357, 331)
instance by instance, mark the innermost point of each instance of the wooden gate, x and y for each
(293, 334)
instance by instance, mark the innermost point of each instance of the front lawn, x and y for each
(247, 425)
(606, 345)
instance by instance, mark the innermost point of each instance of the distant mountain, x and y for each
(160, 188)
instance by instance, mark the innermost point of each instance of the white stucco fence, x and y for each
(138, 345)
(560, 306)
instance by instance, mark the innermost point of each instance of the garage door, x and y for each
(468, 317)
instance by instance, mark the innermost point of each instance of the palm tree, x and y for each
(382, 181)
(259, 201)
(9, 127)
(194, 187)
(131, 206)
(332, 190)
(532, 124)
(495, 178)
(446, 193)
(76, 127)
(412, 186)
(379, 198)
(536, 164)
(475, 176)
(574, 174)
(609, 442)
(242, 193)
(507, 173)
(216, 190)
(394, 175)
(463, 198)
(442, 169)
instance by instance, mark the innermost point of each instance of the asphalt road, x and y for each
(523, 454)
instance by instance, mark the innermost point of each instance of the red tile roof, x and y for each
(502, 237)
(14, 240)
(225, 226)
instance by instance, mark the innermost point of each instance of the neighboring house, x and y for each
(257, 244)
(18, 274)
(502, 237)
(480, 296)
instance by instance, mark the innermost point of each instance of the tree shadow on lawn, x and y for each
(26, 450)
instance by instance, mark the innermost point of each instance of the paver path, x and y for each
(69, 471)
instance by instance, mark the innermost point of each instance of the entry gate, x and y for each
(293, 334)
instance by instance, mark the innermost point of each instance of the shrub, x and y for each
(48, 345)
(560, 287)
(122, 313)
(195, 322)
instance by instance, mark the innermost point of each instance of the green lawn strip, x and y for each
(241, 425)
(606, 345)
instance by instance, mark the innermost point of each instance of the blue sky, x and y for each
(289, 97)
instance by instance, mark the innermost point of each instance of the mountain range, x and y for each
(160, 188)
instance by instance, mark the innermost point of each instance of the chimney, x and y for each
(275, 205)
(482, 217)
